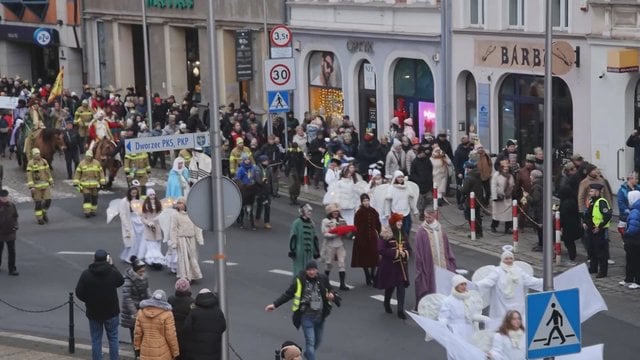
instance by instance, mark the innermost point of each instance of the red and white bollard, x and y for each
(514, 214)
(434, 194)
(472, 215)
(556, 246)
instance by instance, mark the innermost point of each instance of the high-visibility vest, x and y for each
(297, 296)
(597, 214)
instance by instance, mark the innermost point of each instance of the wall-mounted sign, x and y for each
(171, 4)
(369, 76)
(523, 55)
(26, 34)
(244, 55)
(355, 46)
(280, 39)
(622, 61)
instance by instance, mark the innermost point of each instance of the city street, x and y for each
(51, 258)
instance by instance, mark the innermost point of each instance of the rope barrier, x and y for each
(35, 311)
(314, 165)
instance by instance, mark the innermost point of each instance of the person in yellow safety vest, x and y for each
(81, 119)
(597, 217)
(136, 167)
(312, 296)
(88, 179)
(186, 155)
(39, 181)
(236, 156)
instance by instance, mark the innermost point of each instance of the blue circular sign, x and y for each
(42, 37)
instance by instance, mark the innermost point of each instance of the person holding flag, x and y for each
(58, 86)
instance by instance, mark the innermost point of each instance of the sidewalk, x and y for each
(458, 230)
(14, 346)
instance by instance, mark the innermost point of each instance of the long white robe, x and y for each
(503, 348)
(184, 237)
(453, 315)
(507, 292)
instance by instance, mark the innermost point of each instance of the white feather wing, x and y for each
(113, 209)
(429, 307)
(379, 199)
(414, 192)
(524, 267)
(480, 274)
(483, 339)
(165, 222)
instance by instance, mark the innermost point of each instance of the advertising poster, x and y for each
(427, 115)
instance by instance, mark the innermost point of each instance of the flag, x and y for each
(56, 90)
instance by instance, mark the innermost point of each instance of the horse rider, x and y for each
(136, 167)
(81, 119)
(34, 122)
(88, 179)
(39, 181)
(99, 128)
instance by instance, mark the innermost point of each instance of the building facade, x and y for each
(178, 46)
(39, 37)
(371, 60)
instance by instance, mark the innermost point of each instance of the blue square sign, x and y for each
(553, 323)
(278, 101)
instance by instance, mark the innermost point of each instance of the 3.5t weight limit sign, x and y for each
(280, 74)
(280, 36)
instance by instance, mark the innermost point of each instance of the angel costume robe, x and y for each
(184, 237)
(457, 313)
(346, 194)
(512, 347)
(432, 249)
(508, 287)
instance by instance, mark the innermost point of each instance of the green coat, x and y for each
(303, 244)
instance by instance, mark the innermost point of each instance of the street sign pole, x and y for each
(147, 72)
(547, 224)
(217, 209)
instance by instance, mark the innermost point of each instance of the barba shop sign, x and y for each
(171, 4)
(523, 56)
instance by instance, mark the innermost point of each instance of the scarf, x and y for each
(465, 297)
(510, 281)
(516, 338)
(436, 243)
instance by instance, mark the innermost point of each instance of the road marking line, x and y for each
(16, 196)
(59, 343)
(213, 262)
(76, 253)
(289, 273)
(381, 298)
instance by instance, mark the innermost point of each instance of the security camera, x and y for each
(601, 75)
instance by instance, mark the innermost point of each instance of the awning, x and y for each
(622, 61)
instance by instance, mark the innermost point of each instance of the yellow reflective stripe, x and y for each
(41, 185)
(297, 295)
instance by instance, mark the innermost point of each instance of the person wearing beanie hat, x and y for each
(507, 285)
(203, 328)
(294, 165)
(462, 309)
(235, 157)
(473, 183)
(408, 130)
(264, 181)
(98, 287)
(432, 249)
(88, 179)
(395, 159)
(596, 219)
(155, 330)
(39, 181)
(365, 241)
(311, 293)
(333, 245)
(508, 153)
(134, 290)
(181, 303)
(393, 270)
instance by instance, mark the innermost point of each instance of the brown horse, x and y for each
(48, 141)
(105, 153)
(248, 193)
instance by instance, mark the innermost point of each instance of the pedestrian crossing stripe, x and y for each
(278, 101)
(553, 320)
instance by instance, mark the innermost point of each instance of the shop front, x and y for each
(370, 79)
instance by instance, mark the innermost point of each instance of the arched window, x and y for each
(413, 91)
(325, 86)
(471, 101)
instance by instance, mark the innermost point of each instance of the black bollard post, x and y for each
(72, 339)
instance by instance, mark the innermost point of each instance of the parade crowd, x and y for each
(376, 186)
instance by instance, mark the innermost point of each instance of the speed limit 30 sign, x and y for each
(279, 74)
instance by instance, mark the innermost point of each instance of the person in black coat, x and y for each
(317, 149)
(460, 157)
(570, 220)
(294, 162)
(98, 289)
(181, 304)
(203, 328)
(634, 142)
(473, 183)
(8, 228)
(370, 152)
(72, 148)
(421, 173)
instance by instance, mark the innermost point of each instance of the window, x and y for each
(516, 13)
(471, 103)
(477, 12)
(560, 14)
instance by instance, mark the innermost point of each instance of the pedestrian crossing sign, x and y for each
(553, 323)
(278, 101)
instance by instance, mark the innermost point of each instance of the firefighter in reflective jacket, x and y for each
(39, 181)
(596, 225)
(88, 179)
(136, 167)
